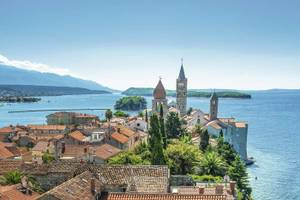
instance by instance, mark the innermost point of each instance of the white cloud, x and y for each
(28, 65)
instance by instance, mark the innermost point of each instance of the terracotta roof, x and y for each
(41, 146)
(106, 151)
(146, 184)
(75, 151)
(130, 196)
(240, 124)
(126, 131)
(119, 137)
(9, 165)
(77, 135)
(76, 188)
(159, 91)
(47, 127)
(9, 129)
(122, 174)
(12, 193)
(4, 152)
(214, 124)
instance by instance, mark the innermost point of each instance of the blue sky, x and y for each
(225, 44)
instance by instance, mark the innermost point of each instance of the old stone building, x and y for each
(214, 101)
(160, 98)
(181, 92)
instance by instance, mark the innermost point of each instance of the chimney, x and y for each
(232, 187)
(119, 130)
(201, 190)
(93, 186)
(63, 147)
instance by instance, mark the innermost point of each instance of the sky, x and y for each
(131, 43)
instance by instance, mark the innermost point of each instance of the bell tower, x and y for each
(214, 100)
(181, 91)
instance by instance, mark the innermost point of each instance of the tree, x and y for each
(173, 125)
(47, 157)
(131, 103)
(162, 126)
(225, 150)
(204, 139)
(237, 172)
(155, 142)
(146, 118)
(182, 157)
(189, 111)
(108, 115)
(119, 113)
(127, 158)
(212, 164)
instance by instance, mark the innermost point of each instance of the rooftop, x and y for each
(77, 135)
(11, 192)
(159, 91)
(119, 137)
(106, 151)
(41, 146)
(47, 127)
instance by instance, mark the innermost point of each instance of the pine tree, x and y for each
(155, 142)
(237, 172)
(173, 126)
(146, 117)
(162, 126)
(204, 140)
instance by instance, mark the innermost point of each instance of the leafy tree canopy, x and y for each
(131, 103)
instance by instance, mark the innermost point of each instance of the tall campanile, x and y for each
(181, 91)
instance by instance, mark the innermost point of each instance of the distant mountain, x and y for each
(191, 93)
(33, 90)
(10, 75)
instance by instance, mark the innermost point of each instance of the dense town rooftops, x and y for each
(119, 137)
(47, 127)
(4, 152)
(41, 146)
(9, 129)
(9, 165)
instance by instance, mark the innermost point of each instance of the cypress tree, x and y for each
(162, 126)
(155, 142)
(146, 117)
(204, 140)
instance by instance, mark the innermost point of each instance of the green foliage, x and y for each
(204, 140)
(207, 178)
(3, 180)
(141, 114)
(212, 164)
(237, 172)
(162, 126)
(182, 157)
(47, 158)
(225, 150)
(189, 111)
(127, 158)
(119, 113)
(186, 138)
(173, 125)
(13, 177)
(155, 142)
(35, 186)
(131, 103)
(108, 115)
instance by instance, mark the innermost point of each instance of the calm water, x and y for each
(273, 139)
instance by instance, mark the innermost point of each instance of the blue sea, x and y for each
(273, 138)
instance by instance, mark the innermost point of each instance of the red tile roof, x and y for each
(106, 151)
(9, 165)
(12, 193)
(4, 151)
(47, 127)
(119, 137)
(77, 135)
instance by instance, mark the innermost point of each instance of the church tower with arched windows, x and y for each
(181, 92)
(214, 100)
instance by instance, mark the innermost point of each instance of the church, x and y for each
(234, 132)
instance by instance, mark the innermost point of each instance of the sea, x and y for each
(273, 137)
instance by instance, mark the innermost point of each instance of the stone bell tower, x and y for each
(181, 91)
(214, 100)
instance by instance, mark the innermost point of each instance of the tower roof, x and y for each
(214, 95)
(159, 92)
(181, 73)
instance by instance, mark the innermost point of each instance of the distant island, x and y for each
(18, 99)
(191, 93)
(131, 103)
(33, 90)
